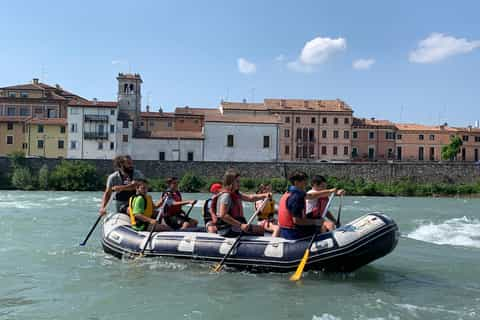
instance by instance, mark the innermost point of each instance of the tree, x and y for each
(23, 179)
(450, 151)
(43, 177)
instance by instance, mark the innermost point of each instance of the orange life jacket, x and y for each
(319, 208)
(285, 217)
(175, 209)
(236, 209)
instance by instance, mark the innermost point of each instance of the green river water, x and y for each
(434, 273)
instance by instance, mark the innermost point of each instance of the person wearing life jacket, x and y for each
(266, 216)
(291, 209)
(122, 183)
(174, 216)
(142, 210)
(229, 208)
(315, 207)
(209, 216)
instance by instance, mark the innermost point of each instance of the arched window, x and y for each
(125, 88)
(132, 88)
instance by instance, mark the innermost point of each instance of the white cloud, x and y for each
(245, 66)
(363, 64)
(280, 58)
(317, 51)
(438, 46)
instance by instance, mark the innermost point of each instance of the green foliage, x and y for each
(5, 181)
(450, 151)
(157, 184)
(23, 179)
(248, 184)
(279, 185)
(43, 177)
(75, 175)
(17, 159)
(191, 183)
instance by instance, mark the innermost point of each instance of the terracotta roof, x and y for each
(13, 118)
(468, 130)
(243, 106)
(28, 86)
(420, 127)
(157, 115)
(362, 122)
(289, 105)
(92, 104)
(196, 111)
(48, 121)
(242, 118)
(174, 134)
(53, 92)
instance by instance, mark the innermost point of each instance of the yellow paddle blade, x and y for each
(217, 268)
(298, 274)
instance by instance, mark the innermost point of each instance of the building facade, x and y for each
(47, 138)
(373, 140)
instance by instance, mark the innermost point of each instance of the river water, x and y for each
(434, 273)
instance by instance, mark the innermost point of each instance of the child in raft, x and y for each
(266, 217)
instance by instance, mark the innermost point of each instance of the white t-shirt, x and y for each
(311, 204)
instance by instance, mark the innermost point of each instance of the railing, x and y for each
(95, 135)
(96, 118)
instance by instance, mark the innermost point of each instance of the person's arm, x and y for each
(184, 202)
(105, 199)
(307, 222)
(254, 197)
(312, 194)
(128, 187)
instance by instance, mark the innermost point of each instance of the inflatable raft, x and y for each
(349, 247)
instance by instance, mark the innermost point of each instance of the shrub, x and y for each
(22, 179)
(157, 184)
(248, 184)
(191, 183)
(75, 175)
(279, 185)
(17, 159)
(43, 178)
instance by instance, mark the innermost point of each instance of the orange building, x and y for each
(373, 140)
(470, 150)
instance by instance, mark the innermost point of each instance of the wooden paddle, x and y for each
(337, 224)
(298, 274)
(84, 242)
(219, 266)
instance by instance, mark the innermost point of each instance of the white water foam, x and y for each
(325, 316)
(455, 232)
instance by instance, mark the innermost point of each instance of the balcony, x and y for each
(96, 118)
(95, 135)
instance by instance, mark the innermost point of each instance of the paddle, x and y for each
(298, 274)
(219, 266)
(159, 217)
(84, 242)
(337, 224)
(190, 209)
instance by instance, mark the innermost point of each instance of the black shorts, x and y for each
(176, 222)
(228, 231)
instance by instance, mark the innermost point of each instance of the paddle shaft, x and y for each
(337, 224)
(159, 217)
(218, 267)
(91, 231)
(190, 209)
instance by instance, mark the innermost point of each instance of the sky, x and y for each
(405, 61)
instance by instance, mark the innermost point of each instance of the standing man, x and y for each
(122, 182)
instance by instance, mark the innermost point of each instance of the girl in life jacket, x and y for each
(229, 208)
(141, 210)
(174, 216)
(316, 206)
(209, 216)
(266, 218)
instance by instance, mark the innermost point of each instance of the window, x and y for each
(287, 119)
(324, 150)
(12, 94)
(61, 144)
(431, 137)
(169, 124)
(62, 129)
(297, 119)
(335, 120)
(11, 111)
(142, 124)
(125, 124)
(347, 121)
(40, 128)
(266, 141)
(190, 156)
(161, 156)
(314, 120)
(371, 135)
(9, 139)
(399, 137)
(195, 121)
(38, 111)
(112, 128)
(74, 111)
(432, 154)
(420, 153)
(230, 140)
(10, 126)
(354, 152)
(73, 127)
(23, 94)
(324, 133)
(389, 153)
(24, 146)
(465, 138)
(324, 120)
(100, 146)
(125, 138)
(420, 137)
(73, 145)
(51, 113)
(390, 135)
(335, 150)
(299, 134)
(346, 134)
(477, 138)
(371, 153)
(476, 155)
(112, 112)
(287, 133)
(399, 153)
(287, 149)
(112, 145)
(345, 151)
(354, 134)
(40, 144)
(335, 134)
(24, 112)
(464, 154)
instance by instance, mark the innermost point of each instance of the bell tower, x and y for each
(129, 95)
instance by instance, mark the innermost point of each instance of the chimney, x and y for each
(58, 86)
(148, 108)
(95, 100)
(372, 118)
(477, 124)
(244, 100)
(160, 110)
(35, 81)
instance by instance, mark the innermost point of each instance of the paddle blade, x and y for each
(217, 268)
(298, 274)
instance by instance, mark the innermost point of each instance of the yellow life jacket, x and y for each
(148, 210)
(268, 211)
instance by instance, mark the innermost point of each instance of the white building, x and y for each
(92, 127)
(241, 138)
(169, 146)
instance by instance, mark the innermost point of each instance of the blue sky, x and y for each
(416, 61)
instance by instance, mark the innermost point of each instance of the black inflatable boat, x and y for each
(349, 247)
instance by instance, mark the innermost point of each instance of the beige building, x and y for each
(310, 130)
(46, 138)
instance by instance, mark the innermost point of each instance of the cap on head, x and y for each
(215, 187)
